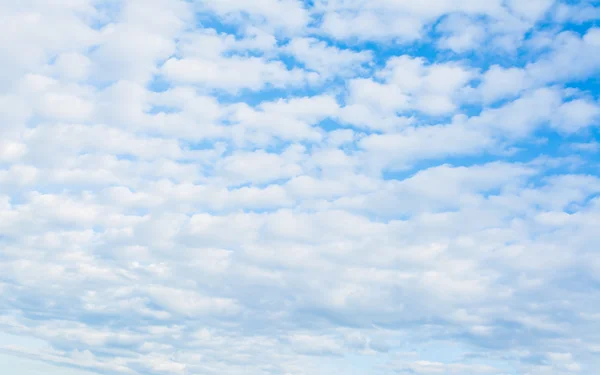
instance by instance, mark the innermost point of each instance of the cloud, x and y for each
(233, 74)
(570, 57)
(461, 34)
(306, 188)
(327, 60)
(505, 22)
(285, 15)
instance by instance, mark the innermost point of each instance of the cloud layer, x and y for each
(299, 187)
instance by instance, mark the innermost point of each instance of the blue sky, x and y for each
(292, 187)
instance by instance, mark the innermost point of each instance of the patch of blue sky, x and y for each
(200, 145)
(159, 83)
(208, 20)
(586, 87)
(126, 157)
(106, 13)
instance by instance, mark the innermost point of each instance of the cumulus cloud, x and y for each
(403, 21)
(289, 187)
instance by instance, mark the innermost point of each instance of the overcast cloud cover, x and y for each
(293, 187)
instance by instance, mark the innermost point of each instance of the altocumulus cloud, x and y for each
(299, 187)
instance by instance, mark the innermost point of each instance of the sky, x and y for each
(288, 187)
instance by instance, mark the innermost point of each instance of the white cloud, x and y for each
(317, 345)
(132, 46)
(570, 57)
(189, 303)
(306, 188)
(407, 84)
(400, 149)
(287, 15)
(462, 34)
(327, 60)
(234, 73)
(38, 31)
(404, 21)
(428, 367)
(259, 167)
(577, 114)
(72, 66)
(263, 124)
(532, 9)
(498, 83)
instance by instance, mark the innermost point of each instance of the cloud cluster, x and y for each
(299, 187)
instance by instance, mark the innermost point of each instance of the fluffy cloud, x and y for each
(406, 21)
(287, 187)
(327, 60)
